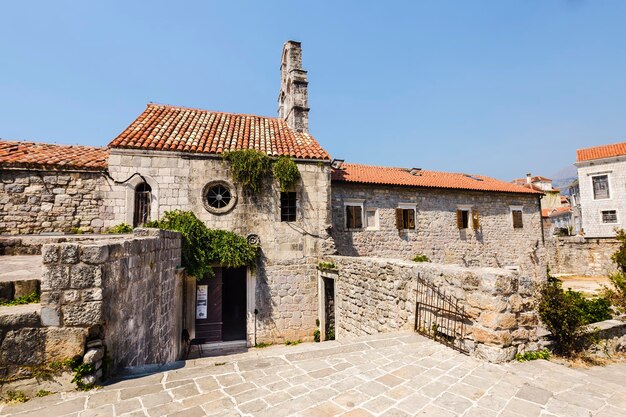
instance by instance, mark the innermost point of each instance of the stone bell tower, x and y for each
(293, 98)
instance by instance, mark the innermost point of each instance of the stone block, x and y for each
(20, 319)
(492, 337)
(528, 319)
(69, 253)
(24, 346)
(50, 254)
(6, 291)
(82, 314)
(486, 302)
(495, 354)
(50, 317)
(63, 343)
(493, 320)
(55, 277)
(85, 276)
(25, 287)
(91, 294)
(93, 355)
(94, 254)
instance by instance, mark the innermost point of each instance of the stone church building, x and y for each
(171, 157)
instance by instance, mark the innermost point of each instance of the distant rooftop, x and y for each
(600, 152)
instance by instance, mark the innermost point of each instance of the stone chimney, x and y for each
(293, 98)
(529, 178)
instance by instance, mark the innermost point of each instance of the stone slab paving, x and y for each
(399, 374)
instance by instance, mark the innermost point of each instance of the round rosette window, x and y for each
(219, 197)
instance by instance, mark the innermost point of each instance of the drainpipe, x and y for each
(543, 238)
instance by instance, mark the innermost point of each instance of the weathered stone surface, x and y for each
(55, 277)
(82, 314)
(25, 287)
(50, 316)
(50, 254)
(24, 346)
(94, 254)
(69, 253)
(6, 291)
(495, 354)
(93, 355)
(63, 343)
(19, 316)
(86, 276)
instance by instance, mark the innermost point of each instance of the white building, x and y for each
(602, 182)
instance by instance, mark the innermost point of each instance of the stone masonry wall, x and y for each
(581, 256)
(285, 291)
(124, 292)
(375, 295)
(33, 202)
(495, 244)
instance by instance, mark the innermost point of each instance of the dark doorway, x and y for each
(234, 304)
(221, 306)
(329, 307)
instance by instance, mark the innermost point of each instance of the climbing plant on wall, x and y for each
(286, 172)
(203, 247)
(250, 167)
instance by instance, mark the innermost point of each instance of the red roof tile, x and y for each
(170, 128)
(14, 154)
(554, 212)
(599, 152)
(368, 174)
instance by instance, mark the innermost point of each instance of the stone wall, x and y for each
(376, 295)
(495, 244)
(291, 250)
(33, 202)
(124, 291)
(581, 256)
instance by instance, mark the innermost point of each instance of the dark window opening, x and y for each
(405, 219)
(518, 223)
(600, 187)
(218, 196)
(143, 194)
(288, 206)
(609, 216)
(462, 219)
(354, 217)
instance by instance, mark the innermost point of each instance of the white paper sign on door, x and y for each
(201, 301)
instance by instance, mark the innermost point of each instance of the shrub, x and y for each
(203, 247)
(421, 258)
(249, 167)
(330, 334)
(121, 228)
(43, 393)
(325, 266)
(616, 293)
(533, 355)
(592, 310)
(33, 297)
(316, 335)
(286, 172)
(15, 397)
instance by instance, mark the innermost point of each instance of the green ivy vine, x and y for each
(286, 172)
(250, 167)
(203, 247)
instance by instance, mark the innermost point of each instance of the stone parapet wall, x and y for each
(375, 295)
(495, 243)
(34, 202)
(124, 291)
(581, 256)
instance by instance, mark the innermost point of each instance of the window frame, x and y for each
(521, 210)
(353, 203)
(605, 211)
(467, 209)
(608, 185)
(405, 207)
(376, 225)
(295, 206)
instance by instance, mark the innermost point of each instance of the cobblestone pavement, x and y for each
(388, 375)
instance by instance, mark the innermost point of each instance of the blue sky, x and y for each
(499, 88)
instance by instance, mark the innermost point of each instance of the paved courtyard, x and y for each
(398, 374)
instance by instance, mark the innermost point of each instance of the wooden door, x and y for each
(209, 308)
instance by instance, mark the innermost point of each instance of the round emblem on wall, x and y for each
(254, 239)
(219, 197)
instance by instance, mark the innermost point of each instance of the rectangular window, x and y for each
(518, 221)
(609, 216)
(462, 218)
(600, 187)
(405, 218)
(354, 217)
(288, 206)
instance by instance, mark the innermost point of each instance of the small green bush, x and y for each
(325, 266)
(316, 335)
(15, 397)
(119, 229)
(43, 393)
(76, 231)
(330, 334)
(533, 355)
(593, 310)
(616, 292)
(293, 342)
(31, 298)
(262, 345)
(421, 258)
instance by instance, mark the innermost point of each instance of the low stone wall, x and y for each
(125, 292)
(50, 201)
(580, 256)
(375, 295)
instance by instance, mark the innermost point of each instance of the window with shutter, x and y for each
(354, 217)
(462, 219)
(475, 220)
(600, 187)
(399, 219)
(405, 218)
(517, 219)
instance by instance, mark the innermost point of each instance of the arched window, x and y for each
(143, 194)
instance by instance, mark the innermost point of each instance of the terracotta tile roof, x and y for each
(14, 154)
(599, 152)
(170, 128)
(555, 212)
(368, 174)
